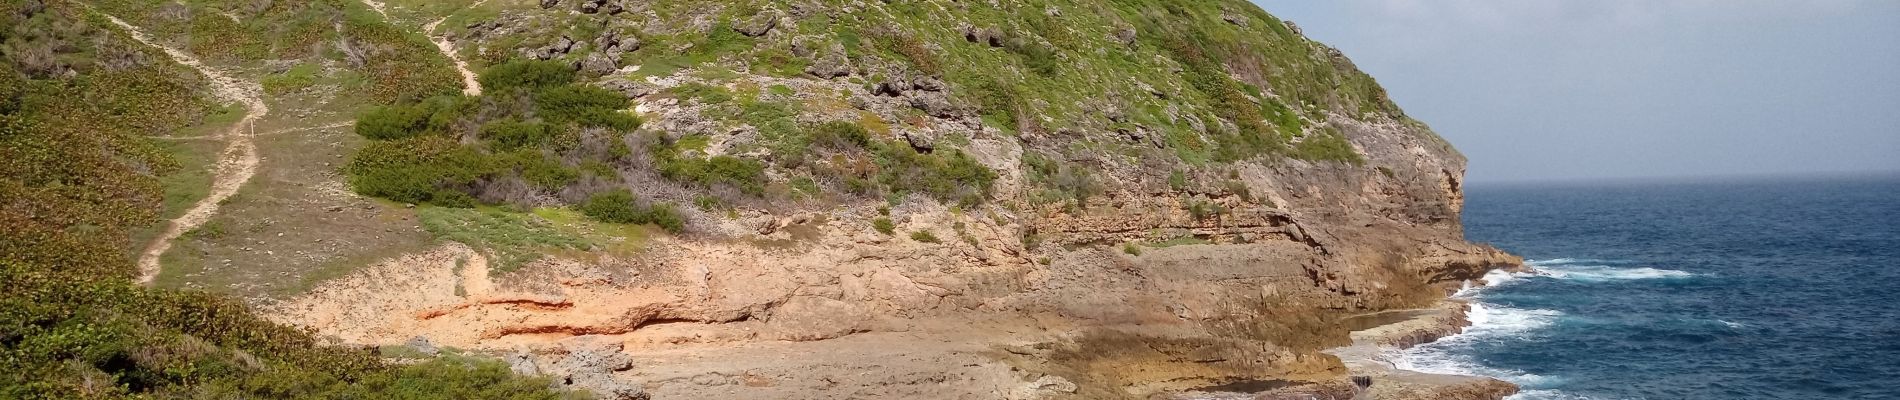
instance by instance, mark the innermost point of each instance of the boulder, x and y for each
(834, 64)
(758, 25)
(422, 345)
(631, 88)
(597, 64)
(936, 104)
(521, 363)
(606, 387)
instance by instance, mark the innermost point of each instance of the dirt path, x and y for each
(235, 165)
(469, 85)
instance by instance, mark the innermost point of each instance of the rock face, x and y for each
(1163, 268)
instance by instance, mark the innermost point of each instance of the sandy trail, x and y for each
(236, 164)
(469, 85)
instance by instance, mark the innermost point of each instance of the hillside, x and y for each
(755, 199)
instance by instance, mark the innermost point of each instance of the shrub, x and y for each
(1328, 146)
(924, 236)
(584, 105)
(620, 207)
(418, 170)
(745, 174)
(1177, 180)
(840, 135)
(529, 74)
(511, 133)
(884, 226)
(1202, 210)
(392, 122)
(1131, 249)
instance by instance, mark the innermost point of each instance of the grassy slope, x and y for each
(75, 178)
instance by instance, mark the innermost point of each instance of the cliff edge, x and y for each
(934, 199)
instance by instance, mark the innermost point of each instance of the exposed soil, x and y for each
(235, 166)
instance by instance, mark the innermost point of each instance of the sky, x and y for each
(1554, 90)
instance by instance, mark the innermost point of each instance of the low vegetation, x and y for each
(75, 178)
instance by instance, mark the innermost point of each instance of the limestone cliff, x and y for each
(1174, 198)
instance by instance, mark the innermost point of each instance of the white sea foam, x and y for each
(1574, 261)
(1601, 273)
(1546, 394)
(1489, 322)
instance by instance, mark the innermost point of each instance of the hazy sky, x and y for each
(1595, 89)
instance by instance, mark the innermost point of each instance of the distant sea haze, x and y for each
(1774, 288)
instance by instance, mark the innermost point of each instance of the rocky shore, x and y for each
(1404, 329)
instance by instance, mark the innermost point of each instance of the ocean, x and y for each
(1763, 289)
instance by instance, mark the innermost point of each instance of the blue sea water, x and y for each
(1767, 289)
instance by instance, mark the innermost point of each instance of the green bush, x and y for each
(1328, 146)
(509, 134)
(620, 207)
(529, 74)
(392, 122)
(840, 135)
(745, 174)
(1131, 249)
(924, 236)
(584, 105)
(884, 226)
(418, 170)
(947, 175)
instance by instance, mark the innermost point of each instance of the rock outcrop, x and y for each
(1136, 241)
